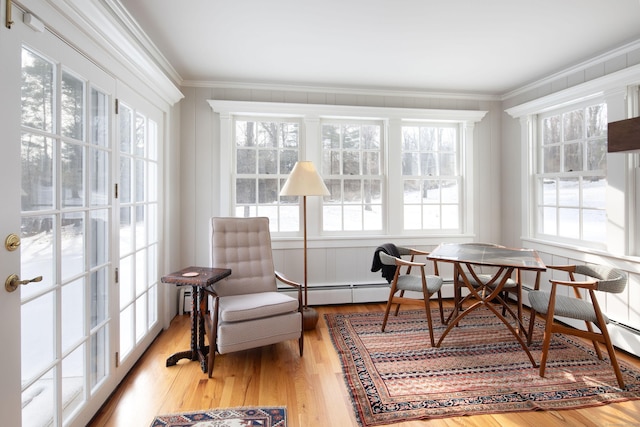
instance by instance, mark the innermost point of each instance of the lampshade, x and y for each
(304, 180)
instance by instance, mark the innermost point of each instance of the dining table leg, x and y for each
(484, 300)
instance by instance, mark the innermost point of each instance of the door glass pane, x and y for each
(141, 272)
(126, 281)
(141, 317)
(37, 92)
(99, 176)
(72, 245)
(72, 387)
(99, 237)
(126, 331)
(141, 135)
(72, 107)
(72, 171)
(38, 402)
(99, 357)
(153, 306)
(98, 297)
(99, 118)
(141, 235)
(37, 348)
(73, 314)
(126, 230)
(37, 172)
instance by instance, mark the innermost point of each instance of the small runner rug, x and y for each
(229, 417)
(480, 368)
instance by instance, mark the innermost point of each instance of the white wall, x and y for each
(620, 308)
(333, 261)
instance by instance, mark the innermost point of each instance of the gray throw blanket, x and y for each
(388, 271)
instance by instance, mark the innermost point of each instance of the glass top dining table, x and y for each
(464, 256)
(494, 256)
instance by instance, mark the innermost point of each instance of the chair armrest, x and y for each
(400, 261)
(418, 252)
(588, 284)
(283, 279)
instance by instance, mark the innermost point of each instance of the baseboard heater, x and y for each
(348, 293)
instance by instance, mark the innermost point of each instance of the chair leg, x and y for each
(427, 308)
(532, 321)
(440, 307)
(548, 332)
(212, 336)
(211, 356)
(612, 356)
(594, 342)
(398, 306)
(301, 342)
(386, 310)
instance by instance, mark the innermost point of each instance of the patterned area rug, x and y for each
(230, 417)
(480, 368)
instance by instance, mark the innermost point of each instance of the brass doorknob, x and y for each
(13, 281)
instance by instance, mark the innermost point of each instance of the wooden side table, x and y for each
(197, 278)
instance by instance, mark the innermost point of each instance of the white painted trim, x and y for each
(597, 60)
(128, 22)
(582, 92)
(344, 111)
(107, 26)
(340, 90)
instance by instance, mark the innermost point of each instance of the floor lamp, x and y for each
(304, 180)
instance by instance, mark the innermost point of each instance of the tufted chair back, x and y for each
(244, 246)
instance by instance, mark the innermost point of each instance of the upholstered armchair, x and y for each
(246, 309)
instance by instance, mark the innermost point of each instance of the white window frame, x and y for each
(311, 150)
(580, 176)
(276, 223)
(336, 202)
(458, 176)
(615, 89)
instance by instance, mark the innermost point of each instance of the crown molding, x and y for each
(591, 89)
(326, 110)
(106, 23)
(340, 90)
(597, 60)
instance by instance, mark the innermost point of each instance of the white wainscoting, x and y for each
(342, 275)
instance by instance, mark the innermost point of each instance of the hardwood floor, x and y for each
(312, 387)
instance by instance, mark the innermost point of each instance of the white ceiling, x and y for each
(461, 46)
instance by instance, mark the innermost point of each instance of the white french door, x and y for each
(66, 210)
(138, 134)
(82, 197)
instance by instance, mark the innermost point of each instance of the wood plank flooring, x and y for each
(312, 387)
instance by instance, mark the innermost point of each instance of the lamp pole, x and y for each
(304, 180)
(309, 315)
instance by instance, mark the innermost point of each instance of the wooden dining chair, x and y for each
(598, 278)
(425, 284)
